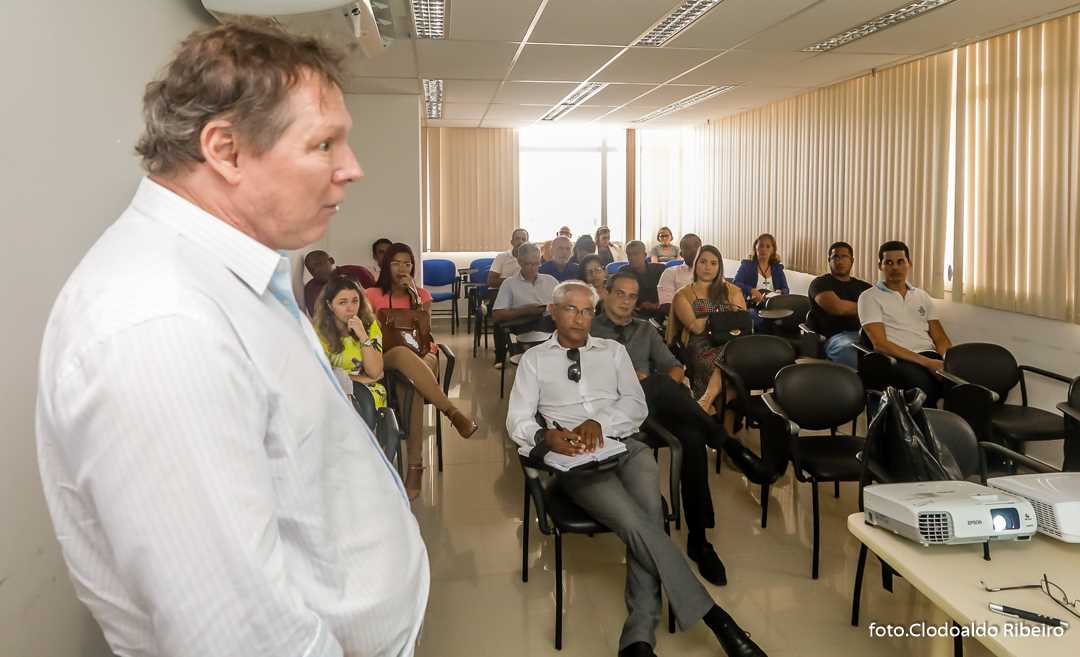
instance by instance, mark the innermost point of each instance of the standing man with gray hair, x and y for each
(212, 488)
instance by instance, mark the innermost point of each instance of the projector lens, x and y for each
(1005, 519)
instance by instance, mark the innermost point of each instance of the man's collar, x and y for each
(881, 285)
(615, 323)
(553, 343)
(252, 262)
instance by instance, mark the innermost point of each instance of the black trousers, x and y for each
(502, 339)
(909, 375)
(674, 408)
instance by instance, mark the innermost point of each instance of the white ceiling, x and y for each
(499, 74)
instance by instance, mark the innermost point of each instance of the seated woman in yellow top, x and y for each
(350, 335)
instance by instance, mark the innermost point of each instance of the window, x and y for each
(572, 177)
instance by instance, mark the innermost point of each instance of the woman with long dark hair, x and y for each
(396, 288)
(350, 335)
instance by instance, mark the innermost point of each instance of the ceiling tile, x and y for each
(515, 112)
(560, 63)
(583, 114)
(469, 91)
(600, 22)
(615, 95)
(381, 86)
(478, 20)
(652, 65)
(734, 21)
(824, 69)
(737, 66)
(397, 61)
(534, 93)
(666, 95)
(459, 111)
(819, 22)
(464, 60)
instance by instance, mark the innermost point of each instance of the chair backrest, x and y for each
(799, 305)
(956, 434)
(439, 272)
(616, 266)
(364, 403)
(674, 263)
(757, 359)
(819, 395)
(989, 365)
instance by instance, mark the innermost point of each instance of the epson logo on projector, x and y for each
(974, 522)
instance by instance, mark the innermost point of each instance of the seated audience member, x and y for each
(321, 267)
(648, 276)
(608, 251)
(350, 335)
(559, 266)
(661, 376)
(594, 273)
(505, 264)
(709, 292)
(545, 248)
(834, 304)
(600, 399)
(762, 272)
(664, 250)
(397, 289)
(676, 278)
(378, 250)
(901, 321)
(526, 295)
(582, 247)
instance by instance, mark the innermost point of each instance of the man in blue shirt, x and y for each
(560, 266)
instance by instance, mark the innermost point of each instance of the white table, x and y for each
(948, 575)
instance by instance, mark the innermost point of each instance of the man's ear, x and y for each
(331, 261)
(220, 149)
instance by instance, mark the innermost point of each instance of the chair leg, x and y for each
(856, 595)
(526, 521)
(836, 489)
(886, 577)
(764, 505)
(438, 437)
(670, 618)
(957, 642)
(719, 454)
(558, 590)
(502, 376)
(817, 528)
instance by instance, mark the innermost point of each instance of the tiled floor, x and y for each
(470, 516)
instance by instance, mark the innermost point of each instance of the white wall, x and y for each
(386, 202)
(70, 111)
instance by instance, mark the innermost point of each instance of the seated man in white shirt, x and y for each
(675, 278)
(523, 297)
(505, 264)
(901, 321)
(587, 391)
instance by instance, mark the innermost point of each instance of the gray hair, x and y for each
(527, 249)
(636, 244)
(562, 290)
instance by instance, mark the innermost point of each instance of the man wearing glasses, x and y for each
(597, 399)
(834, 303)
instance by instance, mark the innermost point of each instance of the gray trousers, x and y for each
(626, 499)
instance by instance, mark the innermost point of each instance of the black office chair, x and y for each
(819, 396)
(950, 431)
(1071, 409)
(400, 391)
(557, 514)
(513, 348)
(994, 368)
(382, 422)
(788, 327)
(811, 343)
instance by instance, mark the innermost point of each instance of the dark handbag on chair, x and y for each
(726, 325)
(904, 440)
(405, 327)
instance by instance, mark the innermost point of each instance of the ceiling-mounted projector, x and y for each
(367, 26)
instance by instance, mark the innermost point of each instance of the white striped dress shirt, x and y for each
(213, 492)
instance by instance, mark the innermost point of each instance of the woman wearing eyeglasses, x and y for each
(664, 249)
(594, 273)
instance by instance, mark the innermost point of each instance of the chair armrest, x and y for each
(741, 393)
(805, 329)
(774, 408)
(535, 488)
(654, 428)
(1047, 373)
(873, 352)
(451, 359)
(1069, 411)
(960, 381)
(1023, 459)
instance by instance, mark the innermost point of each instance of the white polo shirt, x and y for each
(506, 265)
(906, 317)
(517, 292)
(672, 280)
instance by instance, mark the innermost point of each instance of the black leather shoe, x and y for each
(639, 649)
(749, 463)
(735, 641)
(708, 563)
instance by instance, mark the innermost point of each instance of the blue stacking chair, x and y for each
(443, 273)
(673, 263)
(616, 266)
(475, 291)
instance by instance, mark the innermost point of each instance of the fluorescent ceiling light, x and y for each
(433, 98)
(685, 102)
(582, 93)
(677, 20)
(430, 18)
(905, 13)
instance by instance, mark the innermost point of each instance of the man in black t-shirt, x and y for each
(648, 277)
(833, 302)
